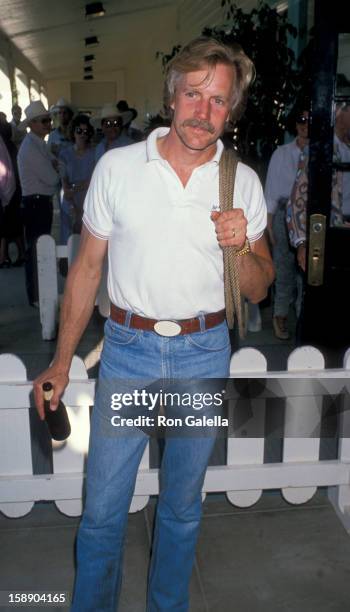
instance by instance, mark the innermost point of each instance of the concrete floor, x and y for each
(272, 557)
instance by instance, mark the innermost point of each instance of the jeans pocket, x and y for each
(215, 339)
(118, 334)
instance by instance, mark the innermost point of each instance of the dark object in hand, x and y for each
(57, 420)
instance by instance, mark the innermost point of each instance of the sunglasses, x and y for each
(45, 120)
(116, 123)
(80, 131)
(303, 119)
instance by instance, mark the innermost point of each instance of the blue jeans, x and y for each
(288, 282)
(113, 464)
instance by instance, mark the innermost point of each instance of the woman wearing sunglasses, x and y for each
(76, 166)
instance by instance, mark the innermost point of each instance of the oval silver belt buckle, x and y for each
(167, 328)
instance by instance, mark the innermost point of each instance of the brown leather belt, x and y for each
(167, 327)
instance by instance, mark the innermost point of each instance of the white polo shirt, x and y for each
(163, 255)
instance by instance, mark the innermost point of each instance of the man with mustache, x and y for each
(154, 206)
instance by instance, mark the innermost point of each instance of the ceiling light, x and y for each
(94, 9)
(88, 77)
(89, 58)
(91, 41)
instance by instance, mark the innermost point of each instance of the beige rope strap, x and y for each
(233, 301)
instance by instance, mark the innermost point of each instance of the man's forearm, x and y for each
(78, 303)
(256, 275)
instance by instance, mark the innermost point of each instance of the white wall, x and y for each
(57, 88)
(138, 75)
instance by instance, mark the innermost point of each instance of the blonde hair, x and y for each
(205, 52)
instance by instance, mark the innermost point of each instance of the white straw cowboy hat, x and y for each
(34, 110)
(62, 103)
(109, 110)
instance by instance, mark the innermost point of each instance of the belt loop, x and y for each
(201, 318)
(127, 318)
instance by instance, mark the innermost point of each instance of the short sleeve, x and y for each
(98, 210)
(249, 196)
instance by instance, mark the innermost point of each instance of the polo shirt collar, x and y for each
(152, 149)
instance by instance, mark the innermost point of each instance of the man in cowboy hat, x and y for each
(59, 137)
(112, 123)
(39, 179)
(17, 133)
(129, 115)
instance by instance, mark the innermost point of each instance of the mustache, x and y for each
(199, 123)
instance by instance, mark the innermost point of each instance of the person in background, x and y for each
(280, 179)
(38, 173)
(130, 127)
(7, 189)
(342, 151)
(12, 226)
(122, 106)
(125, 136)
(340, 194)
(76, 166)
(111, 125)
(59, 138)
(17, 133)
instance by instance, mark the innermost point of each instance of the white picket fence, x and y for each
(244, 476)
(47, 254)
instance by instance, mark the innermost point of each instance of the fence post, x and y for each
(246, 450)
(70, 455)
(72, 248)
(340, 496)
(15, 448)
(139, 502)
(302, 415)
(48, 289)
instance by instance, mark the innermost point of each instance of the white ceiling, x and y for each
(51, 33)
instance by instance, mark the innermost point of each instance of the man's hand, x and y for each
(230, 227)
(59, 381)
(78, 303)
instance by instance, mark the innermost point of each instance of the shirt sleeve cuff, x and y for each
(93, 230)
(255, 237)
